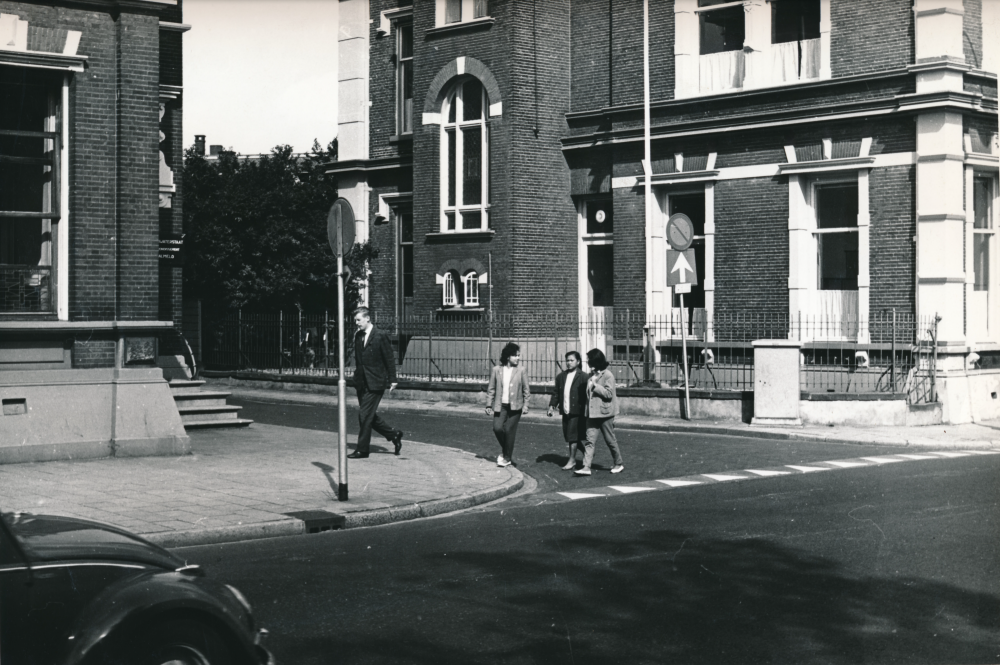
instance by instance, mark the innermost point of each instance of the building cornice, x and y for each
(174, 27)
(367, 165)
(963, 102)
(43, 60)
(611, 112)
(825, 165)
(484, 23)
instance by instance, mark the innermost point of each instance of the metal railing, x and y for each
(882, 354)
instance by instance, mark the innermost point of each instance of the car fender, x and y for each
(138, 600)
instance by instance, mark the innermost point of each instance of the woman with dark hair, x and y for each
(506, 399)
(602, 407)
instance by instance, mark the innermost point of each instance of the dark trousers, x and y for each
(368, 419)
(505, 429)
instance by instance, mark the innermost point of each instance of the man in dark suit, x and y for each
(375, 371)
(570, 398)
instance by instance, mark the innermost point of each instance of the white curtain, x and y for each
(831, 315)
(810, 59)
(721, 71)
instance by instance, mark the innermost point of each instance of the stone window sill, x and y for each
(461, 235)
(452, 28)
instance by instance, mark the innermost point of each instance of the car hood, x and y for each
(55, 538)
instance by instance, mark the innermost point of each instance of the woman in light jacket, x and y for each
(602, 407)
(506, 399)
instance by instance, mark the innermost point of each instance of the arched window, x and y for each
(471, 289)
(465, 159)
(450, 296)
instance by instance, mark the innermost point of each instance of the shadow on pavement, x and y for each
(666, 597)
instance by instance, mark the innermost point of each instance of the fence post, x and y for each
(934, 336)
(892, 363)
(556, 338)
(430, 345)
(647, 370)
(239, 338)
(628, 343)
(281, 340)
(326, 341)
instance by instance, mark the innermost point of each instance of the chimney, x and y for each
(214, 150)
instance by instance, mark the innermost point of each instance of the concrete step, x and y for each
(202, 424)
(198, 413)
(201, 398)
(184, 387)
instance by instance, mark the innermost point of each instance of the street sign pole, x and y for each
(340, 234)
(341, 381)
(684, 350)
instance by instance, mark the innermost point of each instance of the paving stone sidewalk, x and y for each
(972, 435)
(239, 485)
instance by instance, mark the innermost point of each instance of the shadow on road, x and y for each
(666, 597)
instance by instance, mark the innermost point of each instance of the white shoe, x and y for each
(503, 462)
(499, 459)
(582, 472)
(618, 468)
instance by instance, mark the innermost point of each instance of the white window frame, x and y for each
(456, 97)
(449, 295)
(400, 82)
(991, 316)
(57, 249)
(803, 279)
(758, 38)
(468, 11)
(471, 286)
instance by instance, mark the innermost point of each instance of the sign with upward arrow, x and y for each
(681, 267)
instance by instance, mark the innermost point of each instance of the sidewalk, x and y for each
(976, 436)
(241, 484)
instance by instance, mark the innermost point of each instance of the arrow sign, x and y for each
(681, 267)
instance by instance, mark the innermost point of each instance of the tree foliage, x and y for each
(256, 231)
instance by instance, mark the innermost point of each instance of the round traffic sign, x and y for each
(680, 231)
(340, 226)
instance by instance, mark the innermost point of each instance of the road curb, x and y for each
(362, 518)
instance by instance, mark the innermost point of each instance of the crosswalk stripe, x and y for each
(765, 472)
(845, 465)
(944, 454)
(918, 457)
(881, 460)
(807, 469)
(982, 452)
(580, 495)
(722, 476)
(628, 490)
(679, 483)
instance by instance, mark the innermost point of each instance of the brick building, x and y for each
(90, 132)
(838, 159)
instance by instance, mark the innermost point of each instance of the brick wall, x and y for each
(589, 52)
(972, 32)
(751, 246)
(893, 226)
(138, 163)
(382, 72)
(870, 36)
(630, 250)
(89, 353)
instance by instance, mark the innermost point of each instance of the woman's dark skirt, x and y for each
(574, 428)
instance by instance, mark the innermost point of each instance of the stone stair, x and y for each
(204, 408)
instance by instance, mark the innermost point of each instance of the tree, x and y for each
(256, 231)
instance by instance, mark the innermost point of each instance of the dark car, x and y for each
(79, 592)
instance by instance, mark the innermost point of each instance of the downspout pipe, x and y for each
(647, 162)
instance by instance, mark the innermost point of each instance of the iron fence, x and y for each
(888, 353)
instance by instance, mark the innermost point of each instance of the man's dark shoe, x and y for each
(357, 455)
(397, 440)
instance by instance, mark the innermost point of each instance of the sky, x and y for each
(260, 73)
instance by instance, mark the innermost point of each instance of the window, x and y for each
(458, 11)
(722, 28)
(29, 189)
(450, 298)
(837, 237)
(404, 219)
(471, 289)
(465, 159)
(598, 258)
(982, 232)
(794, 20)
(404, 77)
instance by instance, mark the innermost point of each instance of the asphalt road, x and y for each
(540, 451)
(885, 564)
(888, 564)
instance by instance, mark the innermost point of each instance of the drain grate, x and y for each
(318, 521)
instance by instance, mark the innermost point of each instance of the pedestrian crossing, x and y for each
(770, 472)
